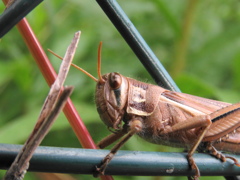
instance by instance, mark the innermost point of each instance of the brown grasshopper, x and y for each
(160, 116)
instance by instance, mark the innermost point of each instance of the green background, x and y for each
(197, 41)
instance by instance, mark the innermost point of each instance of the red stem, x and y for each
(50, 76)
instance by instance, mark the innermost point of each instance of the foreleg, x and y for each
(134, 127)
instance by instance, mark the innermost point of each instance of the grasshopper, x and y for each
(161, 116)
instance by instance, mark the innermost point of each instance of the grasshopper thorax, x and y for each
(111, 97)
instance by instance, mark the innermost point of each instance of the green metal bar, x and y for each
(135, 163)
(17, 11)
(137, 43)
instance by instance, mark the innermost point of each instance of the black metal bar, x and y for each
(16, 12)
(137, 43)
(136, 163)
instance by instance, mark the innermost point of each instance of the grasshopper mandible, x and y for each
(161, 116)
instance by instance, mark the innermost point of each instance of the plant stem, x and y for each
(182, 43)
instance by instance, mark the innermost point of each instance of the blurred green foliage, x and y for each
(197, 41)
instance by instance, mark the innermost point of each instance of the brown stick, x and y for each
(51, 108)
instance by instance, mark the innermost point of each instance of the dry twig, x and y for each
(53, 105)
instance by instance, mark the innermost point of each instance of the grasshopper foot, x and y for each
(193, 167)
(100, 170)
(235, 160)
(216, 153)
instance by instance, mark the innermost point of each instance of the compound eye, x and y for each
(115, 80)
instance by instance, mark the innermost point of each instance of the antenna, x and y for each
(101, 80)
(77, 67)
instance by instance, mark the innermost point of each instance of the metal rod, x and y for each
(13, 14)
(135, 163)
(137, 43)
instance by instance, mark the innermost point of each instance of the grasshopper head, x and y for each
(111, 97)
